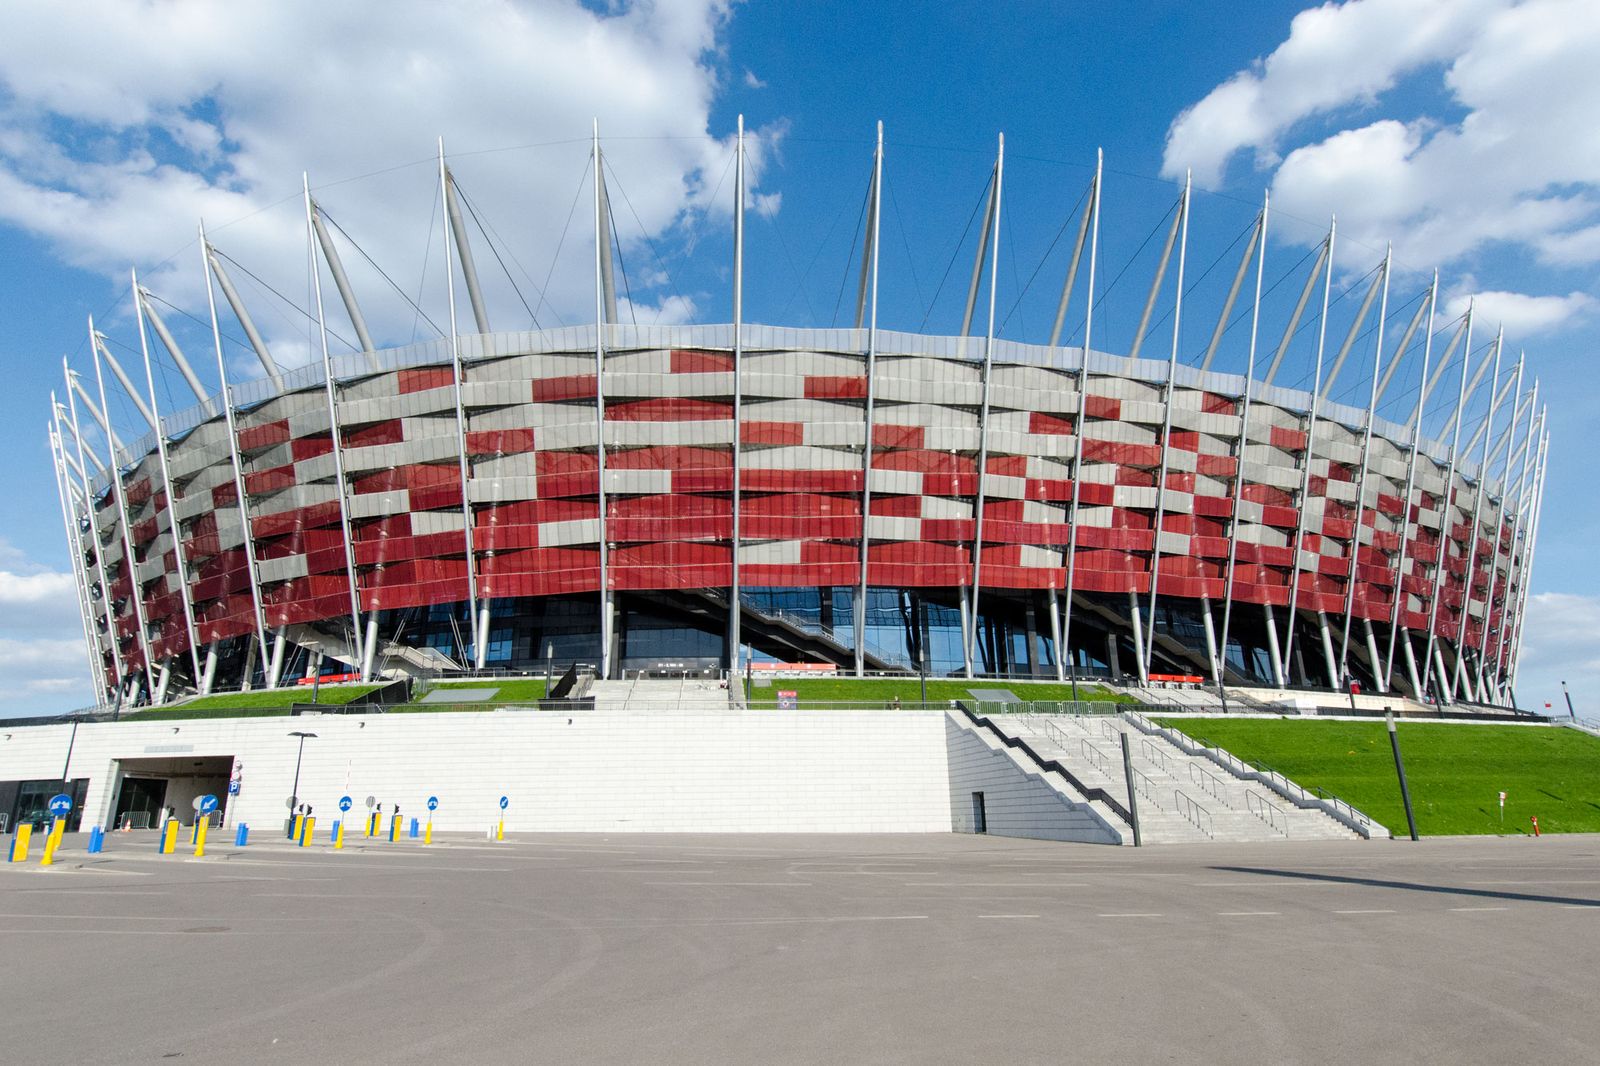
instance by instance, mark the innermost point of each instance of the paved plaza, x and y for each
(732, 949)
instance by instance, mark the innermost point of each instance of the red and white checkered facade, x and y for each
(534, 443)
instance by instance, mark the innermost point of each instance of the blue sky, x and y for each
(1457, 130)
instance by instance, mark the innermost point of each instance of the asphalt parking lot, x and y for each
(832, 949)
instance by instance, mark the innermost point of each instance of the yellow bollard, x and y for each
(338, 835)
(372, 824)
(500, 831)
(427, 834)
(394, 828)
(306, 831)
(52, 840)
(19, 846)
(299, 825)
(169, 837)
(202, 823)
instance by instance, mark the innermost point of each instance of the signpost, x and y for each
(203, 806)
(60, 807)
(788, 699)
(433, 805)
(500, 831)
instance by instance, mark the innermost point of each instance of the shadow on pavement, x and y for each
(1373, 882)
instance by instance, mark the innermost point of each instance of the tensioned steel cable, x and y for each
(490, 241)
(576, 196)
(850, 256)
(1157, 228)
(654, 252)
(1044, 258)
(622, 264)
(905, 241)
(312, 319)
(373, 263)
(982, 197)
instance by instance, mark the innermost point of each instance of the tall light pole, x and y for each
(294, 793)
(1570, 712)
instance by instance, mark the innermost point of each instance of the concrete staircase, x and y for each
(1183, 797)
(659, 694)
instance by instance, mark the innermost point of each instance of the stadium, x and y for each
(703, 498)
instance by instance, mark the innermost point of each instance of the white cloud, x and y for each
(43, 665)
(751, 81)
(197, 109)
(1513, 158)
(1335, 55)
(1522, 315)
(1561, 642)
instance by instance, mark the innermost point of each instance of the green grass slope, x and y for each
(877, 691)
(1455, 771)
(255, 704)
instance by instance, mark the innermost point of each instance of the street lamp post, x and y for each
(294, 793)
(1570, 712)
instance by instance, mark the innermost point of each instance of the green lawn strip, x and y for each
(517, 690)
(266, 698)
(173, 714)
(880, 690)
(1455, 771)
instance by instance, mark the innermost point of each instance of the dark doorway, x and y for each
(980, 819)
(140, 800)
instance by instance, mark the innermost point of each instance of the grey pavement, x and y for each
(873, 949)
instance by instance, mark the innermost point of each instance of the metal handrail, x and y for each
(1095, 757)
(1147, 789)
(1273, 779)
(1155, 755)
(1110, 732)
(1195, 814)
(1209, 783)
(1268, 812)
(1089, 792)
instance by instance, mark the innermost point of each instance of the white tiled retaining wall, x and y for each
(1017, 801)
(814, 771)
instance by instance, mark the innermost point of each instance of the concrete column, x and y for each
(370, 647)
(275, 670)
(1211, 642)
(208, 673)
(1444, 679)
(1327, 651)
(1138, 638)
(1055, 635)
(1113, 657)
(967, 629)
(1411, 664)
(161, 682)
(1372, 653)
(1274, 652)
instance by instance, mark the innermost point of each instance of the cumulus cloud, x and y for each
(43, 665)
(196, 109)
(1521, 315)
(1506, 150)
(1561, 642)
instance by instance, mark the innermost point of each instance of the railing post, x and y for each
(1133, 799)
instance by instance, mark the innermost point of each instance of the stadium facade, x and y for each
(697, 496)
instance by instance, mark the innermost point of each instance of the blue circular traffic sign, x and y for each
(433, 803)
(208, 803)
(61, 805)
(504, 803)
(345, 803)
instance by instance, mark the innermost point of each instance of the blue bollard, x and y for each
(241, 836)
(414, 829)
(97, 840)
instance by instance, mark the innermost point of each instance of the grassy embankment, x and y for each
(1455, 770)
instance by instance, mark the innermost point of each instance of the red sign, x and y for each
(799, 668)
(329, 679)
